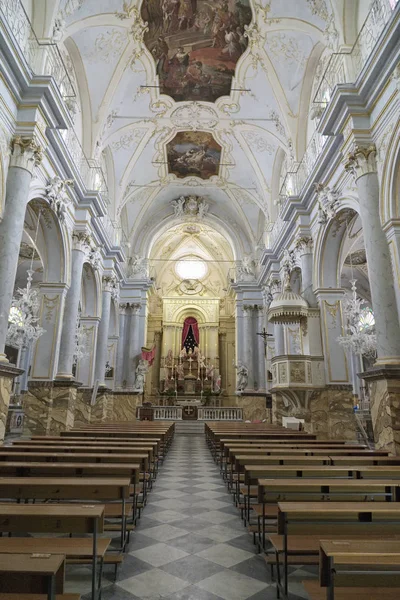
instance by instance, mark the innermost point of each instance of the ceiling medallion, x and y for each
(196, 45)
(193, 154)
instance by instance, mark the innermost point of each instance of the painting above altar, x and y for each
(196, 45)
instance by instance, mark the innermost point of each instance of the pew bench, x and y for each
(347, 567)
(59, 519)
(104, 490)
(24, 573)
(302, 526)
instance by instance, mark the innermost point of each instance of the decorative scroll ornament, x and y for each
(109, 283)
(94, 258)
(192, 207)
(23, 320)
(194, 116)
(57, 196)
(328, 203)
(360, 335)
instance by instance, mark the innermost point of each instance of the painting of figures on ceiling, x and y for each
(194, 153)
(196, 45)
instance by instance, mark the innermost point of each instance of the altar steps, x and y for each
(189, 427)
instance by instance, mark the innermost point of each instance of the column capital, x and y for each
(136, 308)
(362, 161)
(80, 241)
(108, 283)
(123, 308)
(247, 308)
(25, 153)
(304, 245)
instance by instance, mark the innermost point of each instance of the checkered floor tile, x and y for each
(190, 543)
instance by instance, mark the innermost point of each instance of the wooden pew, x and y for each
(100, 490)
(58, 519)
(353, 570)
(21, 573)
(301, 526)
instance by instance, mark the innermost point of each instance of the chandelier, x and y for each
(360, 336)
(23, 320)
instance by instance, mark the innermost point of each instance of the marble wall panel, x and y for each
(82, 407)
(5, 392)
(385, 413)
(37, 403)
(332, 414)
(62, 414)
(124, 407)
(102, 411)
(254, 407)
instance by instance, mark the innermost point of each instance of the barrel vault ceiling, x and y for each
(229, 148)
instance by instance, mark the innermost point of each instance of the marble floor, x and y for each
(190, 543)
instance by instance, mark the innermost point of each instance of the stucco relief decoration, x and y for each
(137, 266)
(191, 287)
(328, 200)
(297, 372)
(193, 154)
(190, 207)
(56, 194)
(196, 45)
(194, 116)
(94, 258)
(246, 269)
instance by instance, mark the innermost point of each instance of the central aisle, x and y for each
(190, 543)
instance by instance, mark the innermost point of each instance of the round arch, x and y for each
(390, 180)
(329, 246)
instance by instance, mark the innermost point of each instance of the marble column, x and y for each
(261, 349)
(80, 242)
(248, 344)
(362, 164)
(134, 345)
(155, 382)
(121, 350)
(25, 156)
(304, 248)
(102, 336)
(223, 361)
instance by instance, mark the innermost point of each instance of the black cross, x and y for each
(264, 334)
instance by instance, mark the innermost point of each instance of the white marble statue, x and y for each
(217, 384)
(242, 377)
(179, 206)
(141, 371)
(136, 265)
(202, 208)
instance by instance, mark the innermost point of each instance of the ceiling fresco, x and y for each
(196, 45)
(194, 154)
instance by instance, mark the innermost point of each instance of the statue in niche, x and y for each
(242, 377)
(217, 384)
(141, 371)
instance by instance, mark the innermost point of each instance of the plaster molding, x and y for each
(26, 153)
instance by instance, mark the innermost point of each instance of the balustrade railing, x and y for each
(42, 58)
(167, 413)
(225, 413)
(46, 59)
(343, 67)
